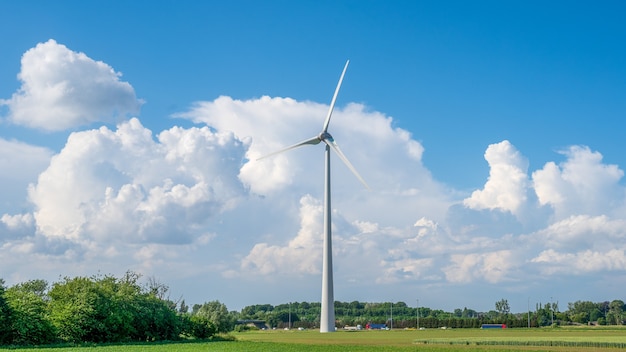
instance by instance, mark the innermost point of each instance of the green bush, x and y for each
(29, 324)
(202, 327)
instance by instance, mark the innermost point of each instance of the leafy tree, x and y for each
(502, 306)
(543, 315)
(216, 313)
(584, 311)
(259, 311)
(616, 310)
(143, 315)
(73, 309)
(184, 308)
(95, 309)
(38, 287)
(469, 313)
(198, 326)
(154, 319)
(106, 309)
(115, 307)
(30, 324)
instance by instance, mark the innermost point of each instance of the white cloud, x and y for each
(387, 158)
(581, 262)
(354, 246)
(582, 232)
(491, 267)
(301, 255)
(17, 221)
(123, 184)
(580, 185)
(453, 243)
(62, 89)
(580, 244)
(16, 226)
(508, 180)
(390, 161)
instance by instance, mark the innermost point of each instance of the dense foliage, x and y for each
(95, 309)
(5, 317)
(103, 309)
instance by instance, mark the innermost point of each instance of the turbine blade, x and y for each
(332, 103)
(331, 143)
(312, 141)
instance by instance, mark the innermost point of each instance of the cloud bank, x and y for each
(126, 185)
(194, 202)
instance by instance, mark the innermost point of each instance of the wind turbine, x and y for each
(327, 317)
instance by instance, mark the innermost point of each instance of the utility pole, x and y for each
(528, 307)
(417, 313)
(391, 316)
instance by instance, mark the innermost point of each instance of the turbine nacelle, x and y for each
(323, 136)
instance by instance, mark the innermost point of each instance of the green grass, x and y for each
(585, 339)
(432, 340)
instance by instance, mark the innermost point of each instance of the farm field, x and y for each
(436, 340)
(583, 339)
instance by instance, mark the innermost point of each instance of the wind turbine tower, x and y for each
(327, 316)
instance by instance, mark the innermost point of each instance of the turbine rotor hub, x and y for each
(325, 135)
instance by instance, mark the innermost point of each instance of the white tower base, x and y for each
(327, 317)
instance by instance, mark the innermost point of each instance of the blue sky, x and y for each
(490, 133)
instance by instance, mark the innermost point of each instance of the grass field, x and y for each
(549, 339)
(434, 340)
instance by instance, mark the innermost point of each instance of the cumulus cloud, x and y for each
(278, 122)
(508, 180)
(124, 184)
(16, 226)
(388, 158)
(581, 184)
(62, 89)
(581, 262)
(354, 245)
(491, 267)
(580, 244)
(470, 240)
(583, 233)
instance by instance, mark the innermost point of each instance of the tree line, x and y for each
(104, 309)
(400, 315)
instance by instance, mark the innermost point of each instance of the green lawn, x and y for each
(434, 340)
